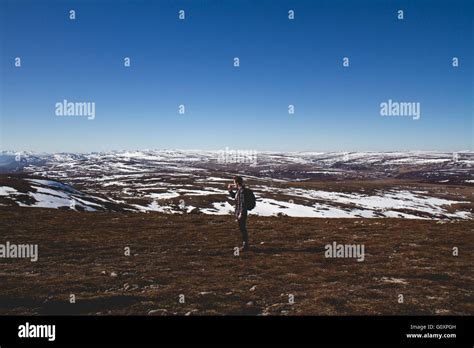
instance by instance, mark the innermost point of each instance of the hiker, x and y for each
(240, 208)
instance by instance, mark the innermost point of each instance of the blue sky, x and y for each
(190, 62)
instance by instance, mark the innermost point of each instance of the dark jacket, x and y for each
(239, 201)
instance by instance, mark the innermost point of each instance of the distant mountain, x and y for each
(363, 184)
(15, 161)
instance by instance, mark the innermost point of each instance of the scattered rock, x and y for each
(394, 280)
(202, 293)
(157, 311)
(442, 311)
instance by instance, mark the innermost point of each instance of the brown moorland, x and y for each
(83, 254)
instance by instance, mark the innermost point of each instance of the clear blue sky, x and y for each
(191, 62)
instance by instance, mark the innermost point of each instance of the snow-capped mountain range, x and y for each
(307, 184)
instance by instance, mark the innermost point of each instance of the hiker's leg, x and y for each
(243, 230)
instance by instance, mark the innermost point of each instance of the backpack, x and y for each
(249, 199)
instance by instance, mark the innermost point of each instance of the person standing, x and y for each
(237, 191)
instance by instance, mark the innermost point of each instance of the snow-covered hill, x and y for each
(419, 184)
(40, 193)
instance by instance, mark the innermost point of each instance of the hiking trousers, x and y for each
(243, 228)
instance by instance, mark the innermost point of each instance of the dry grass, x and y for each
(193, 255)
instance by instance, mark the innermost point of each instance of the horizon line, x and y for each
(233, 149)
